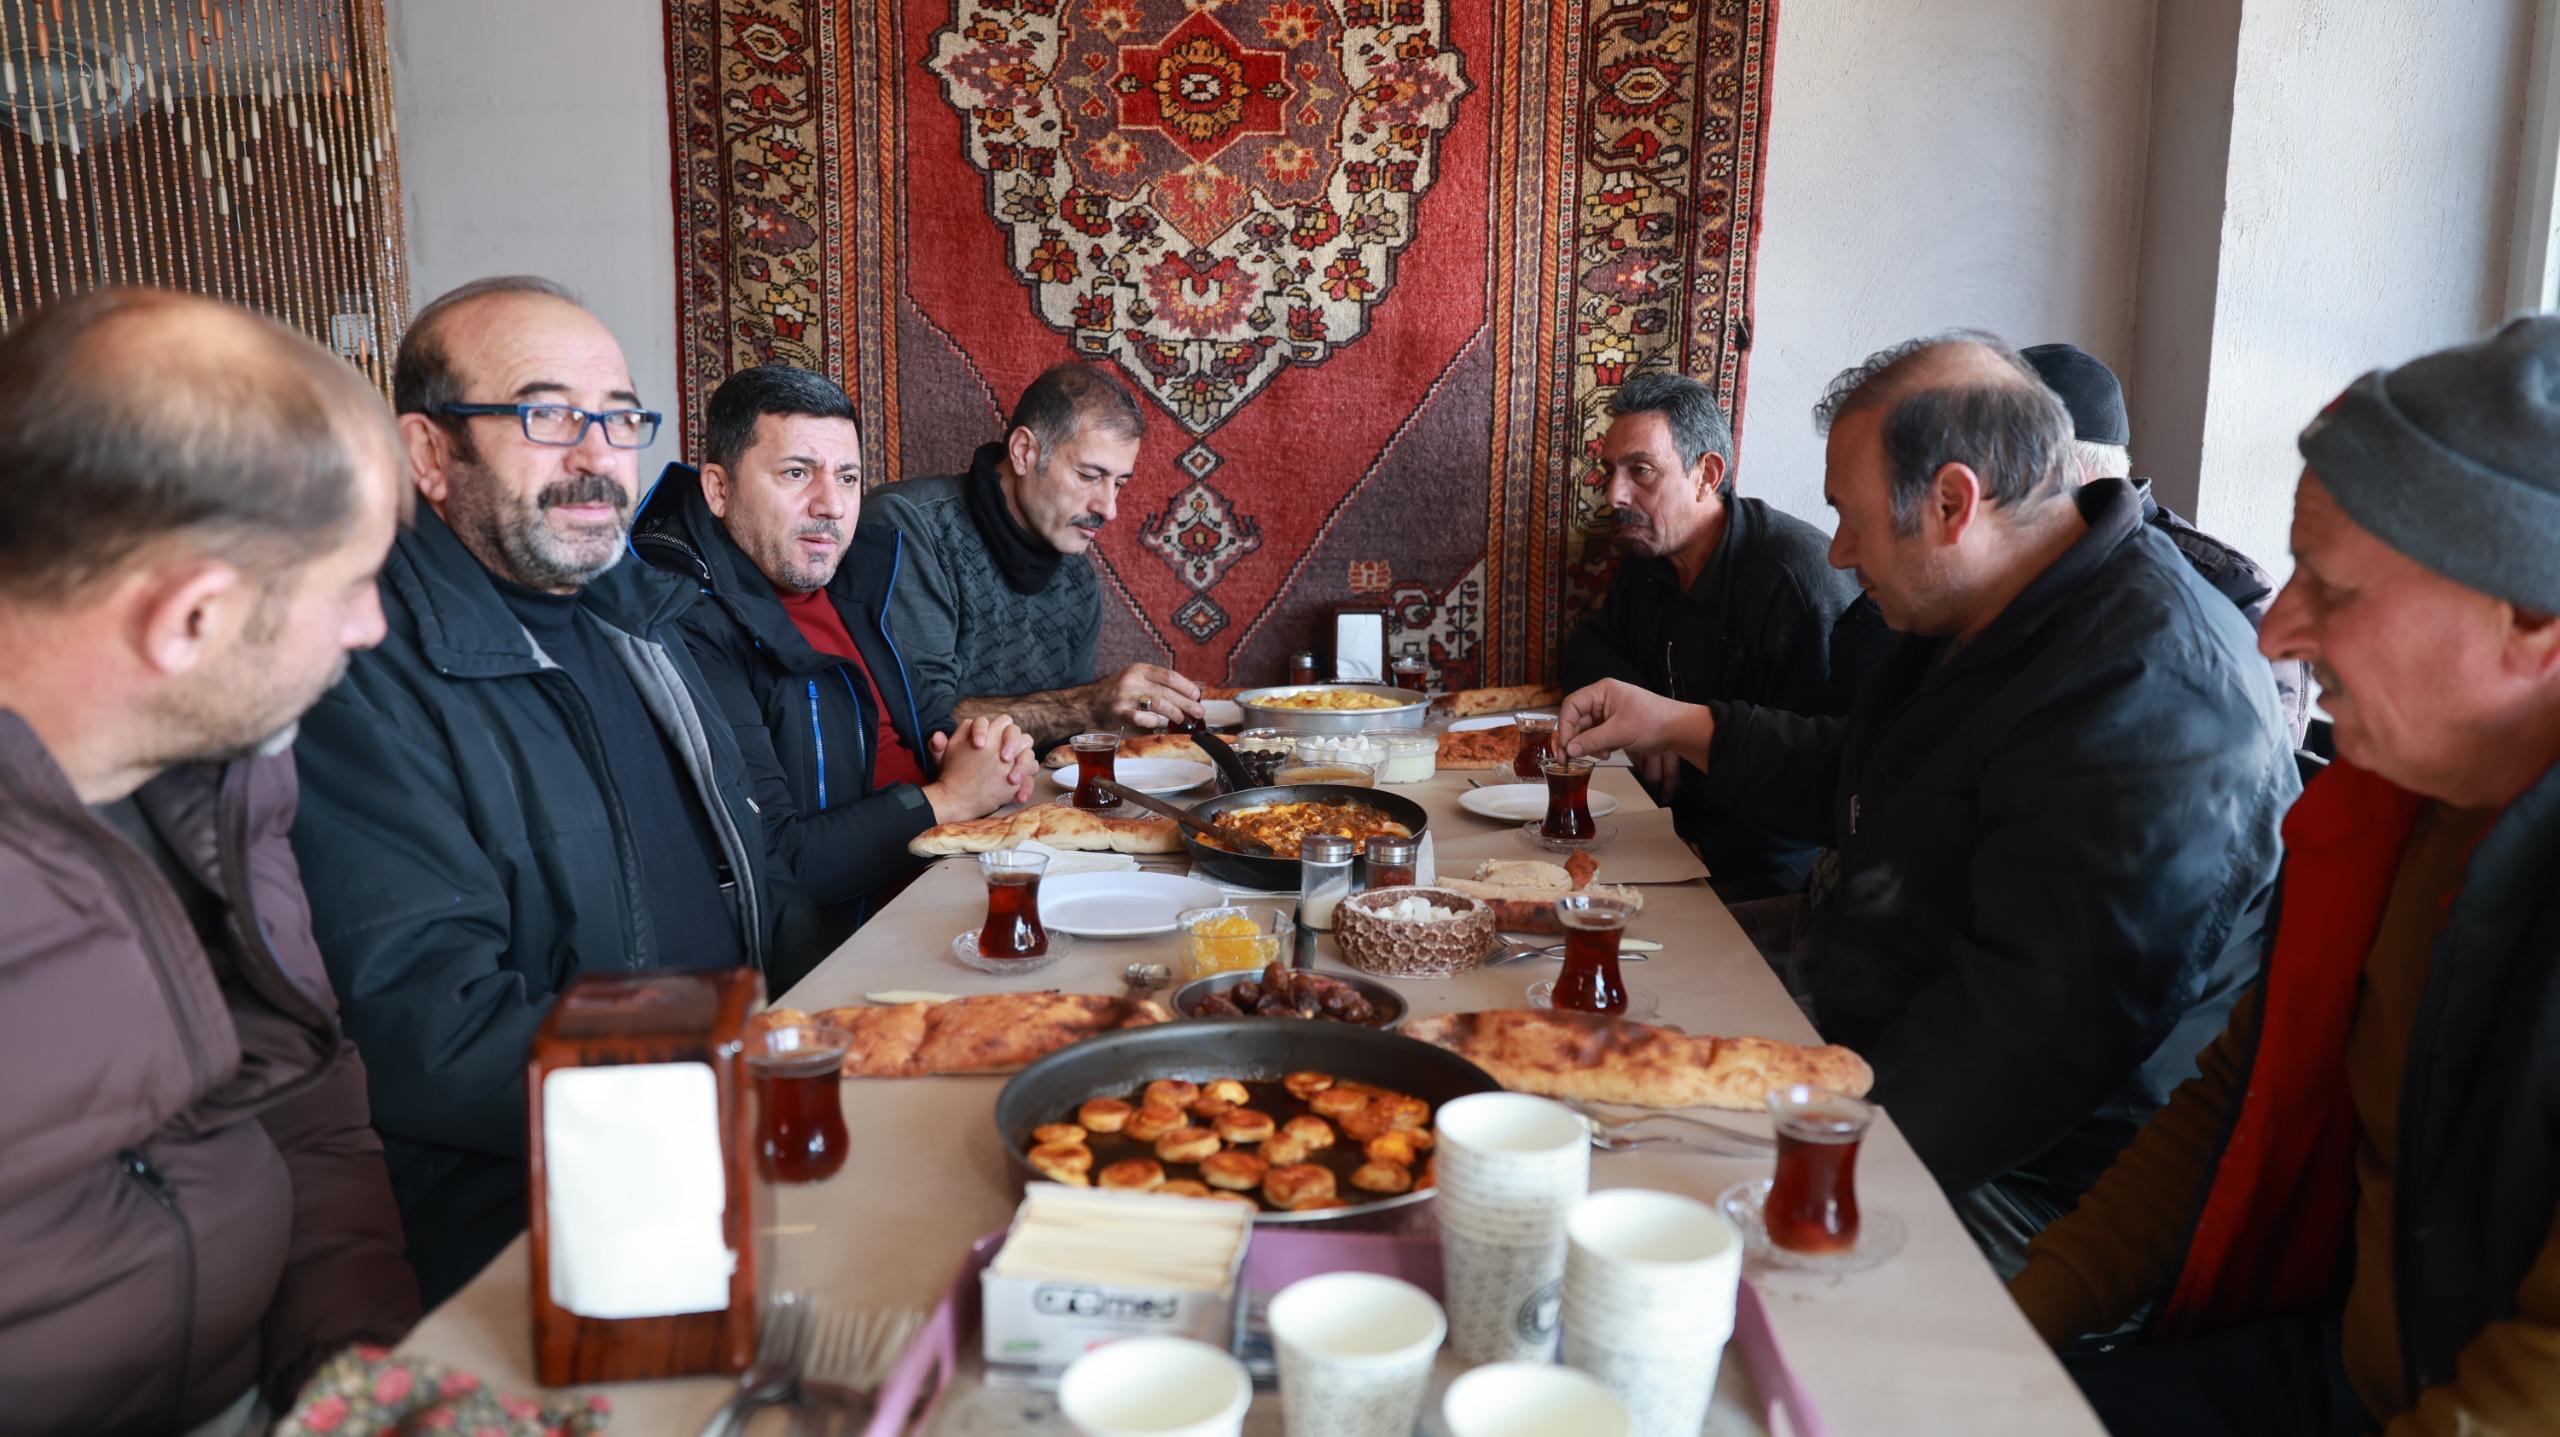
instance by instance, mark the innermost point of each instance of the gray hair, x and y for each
(2102, 461)
(2011, 430)
(1697, 423)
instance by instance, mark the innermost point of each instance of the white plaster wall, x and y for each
(533, 139)
(1935, 163)
(2368, 209)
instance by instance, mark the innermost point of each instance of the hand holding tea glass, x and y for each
(1614, 714)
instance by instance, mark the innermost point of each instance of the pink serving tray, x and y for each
(1277, 1258)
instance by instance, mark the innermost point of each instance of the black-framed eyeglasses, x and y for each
(565, 425)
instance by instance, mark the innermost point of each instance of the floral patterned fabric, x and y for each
(368, 1390)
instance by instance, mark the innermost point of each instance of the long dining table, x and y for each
(1928, 1341)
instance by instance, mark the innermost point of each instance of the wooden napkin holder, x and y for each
(604, 1021)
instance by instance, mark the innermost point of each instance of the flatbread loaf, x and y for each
(1597, 1059)
(1481, 748)
(1522, 892)
(1470, 703)
(984, 1033)
(1070, 829)
(1137, 745)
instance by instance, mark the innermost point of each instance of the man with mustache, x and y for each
(527, 780)
(999, 607)
(793, 635)
(2055, 799)
(1716, 597)
(2349, 1221)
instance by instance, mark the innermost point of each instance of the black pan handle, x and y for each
(1225, 758)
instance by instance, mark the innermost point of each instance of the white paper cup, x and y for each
(1502, 1300)
(1355, 1352)
(1531, 1399)
(1666, 1394)
(1652, 1271)
(1155, 1387)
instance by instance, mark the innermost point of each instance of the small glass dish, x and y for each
(1880, 1235)
(965, 948)
(1607, 834)
(1260, 938)
(1641, 1005)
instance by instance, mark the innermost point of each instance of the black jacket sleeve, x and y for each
(2129, 825)
(1776, 769)
(413, 919)
(837, 855)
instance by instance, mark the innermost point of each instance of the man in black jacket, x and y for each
(1718, 597)
(2101, 436)
(2056, 799)
(524, 782)
(795, 641)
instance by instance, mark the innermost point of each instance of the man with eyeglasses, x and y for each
(525, 781)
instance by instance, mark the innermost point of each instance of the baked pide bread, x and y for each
(1472, 703)
(984, 1033)
(1069, 829)
(1481, 748)
(1522, 892)
(1137, 745)
(1598, 1059)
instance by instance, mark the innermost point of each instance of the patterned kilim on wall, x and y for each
(1375, 265)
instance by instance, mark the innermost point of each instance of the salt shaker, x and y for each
(1324, 877)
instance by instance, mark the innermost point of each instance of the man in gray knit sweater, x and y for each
(997, 604)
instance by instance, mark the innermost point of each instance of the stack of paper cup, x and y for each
(1531, 1399)
(1650, 1280)
(1510, 1168)
(1355, 1352)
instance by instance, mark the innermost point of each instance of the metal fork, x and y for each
(1611, 1134)
(782, 1345)
(849, 1359)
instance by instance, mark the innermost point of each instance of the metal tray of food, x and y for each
(1410, 706)
(1250, 1049)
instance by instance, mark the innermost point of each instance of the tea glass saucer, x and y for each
(1641, 1005)
(1880, 1235)
(965, 948)
(1604, 834)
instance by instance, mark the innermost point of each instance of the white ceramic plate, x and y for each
(1150, 775)
(1222, 713)
(1121, 905)
(1485, 721)
(1520, 802)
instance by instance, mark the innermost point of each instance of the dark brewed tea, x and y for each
(1813, 1201)
(1411, 674)
(1590, 981)
(1568, 799)
(1097, 760)
(1012, 929)
(800, 1097)
(1537, 739)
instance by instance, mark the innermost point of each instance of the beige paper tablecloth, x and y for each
(1927, 1342)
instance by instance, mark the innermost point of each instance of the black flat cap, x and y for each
(2088, 389)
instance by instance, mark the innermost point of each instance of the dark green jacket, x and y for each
(804, 720)
(465, 862)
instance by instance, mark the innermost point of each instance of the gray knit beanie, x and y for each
(2454, 460)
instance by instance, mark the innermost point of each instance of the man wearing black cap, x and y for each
(2347, 1219)
(2101, 435)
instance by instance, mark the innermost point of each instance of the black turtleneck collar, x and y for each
(1024, 559)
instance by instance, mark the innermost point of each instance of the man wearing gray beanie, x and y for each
(2347, 1218)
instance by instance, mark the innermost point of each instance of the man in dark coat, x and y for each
(527, 780)
(2101, 436)
(1718, 597)
(794, 638)
(2055, 800)
(2350, 1220)
(193, 1208)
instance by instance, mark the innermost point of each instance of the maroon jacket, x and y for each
(191, 1198)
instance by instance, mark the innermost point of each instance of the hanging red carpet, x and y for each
(1375, 264)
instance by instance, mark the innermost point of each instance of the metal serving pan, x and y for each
(1252, 1049)
(1280, 875)
(1408, 713)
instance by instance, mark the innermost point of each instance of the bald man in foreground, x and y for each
(526, 781)
(2056, 799)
